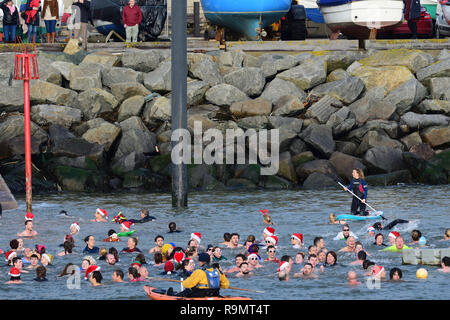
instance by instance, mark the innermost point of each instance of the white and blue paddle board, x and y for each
(361, 218)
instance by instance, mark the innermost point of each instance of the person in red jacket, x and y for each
(132, 17)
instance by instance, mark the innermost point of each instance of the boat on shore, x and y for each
(356, 18)
(246, 17)
(157, 294)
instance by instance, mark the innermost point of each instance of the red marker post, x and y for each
(26, 69)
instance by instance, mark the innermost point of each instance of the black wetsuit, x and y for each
(394, 223)
(143, 220)
(359, 188)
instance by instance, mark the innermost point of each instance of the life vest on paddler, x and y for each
(32, 13)
(213, 277)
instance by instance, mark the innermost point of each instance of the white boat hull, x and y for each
(366, 13)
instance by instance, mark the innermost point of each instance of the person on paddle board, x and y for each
(359, 187)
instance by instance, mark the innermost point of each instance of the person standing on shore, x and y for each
(131, 17)
(85, 17)
(10, 22)
(50, 14)
(33, 7)
(411, 13)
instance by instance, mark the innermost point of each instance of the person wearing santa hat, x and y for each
(392, 236)
(272, 240)
(271, 254)
(100, 215)
(268, 231)
(197, 237)
(253, 261)
(74, 228)
(29, 216)
(28, 232)
(297, 240)
(125, 226)
(378, 272)
(15, 276)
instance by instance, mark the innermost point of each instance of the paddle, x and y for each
(361, 200)
(234, 288)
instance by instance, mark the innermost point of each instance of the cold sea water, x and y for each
(214, 213)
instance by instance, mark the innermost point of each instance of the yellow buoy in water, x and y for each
(422, 273)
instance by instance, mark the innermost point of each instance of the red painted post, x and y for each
(26, 69)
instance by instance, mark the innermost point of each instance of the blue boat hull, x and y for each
(314, 15)
(243, 16)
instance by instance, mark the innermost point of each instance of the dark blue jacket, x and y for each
(361, 189)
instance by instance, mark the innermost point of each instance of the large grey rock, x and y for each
(438, 69)
(318, 180)
(444, 54)
(105, 59)
(418, 121)
(278, 88)
(437, 136)
(346, 90)
(135, 142)
(440, 88)
(225, 95)
(322, 166)
(66, 144)
(344, 164)
(11, 98)
(141, 60)
(86, 76)
(346, 147)
(320, 138)
(323, 109)
(368, 108)
(434, 106)
(232, 59)
(390, 127)
(104, 133)
(286, 168)
(64, 68)
(12, 137)
(343, 59)
(297, 146)
(131, 107)
(45, 115)
(288, 105)
(159, 79)
(207, 110)
(49, 73)
(411, 140)
(207, 71)
(341, 121)
(7, 63)
(249, 80)
(288, 129)
(42, 92)
(255, 122)
(97, 103)
(114, 75)
(424, 171)
(158, 109)
(125, 90)
(250, 108)
(389, 179)
(384, 160)
(407, 95)
(196, 91)
(310, 73)
(268, 69)
(377, 139)
(338, 74)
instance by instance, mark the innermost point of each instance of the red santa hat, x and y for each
(283, 265)
(76, 225)
(377, 270)
(273, 239)
(269, 231)
(90, 270)
(169, 267)
(178, 257)
(196, 236)
(253, 255)
(10, 254)
(29, 216)
(102, 212)
(394, 234)
(14, 272)
(127, 224)
(298, 236)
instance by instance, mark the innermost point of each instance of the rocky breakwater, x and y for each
(97, 118)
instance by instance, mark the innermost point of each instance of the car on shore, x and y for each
(442, 28)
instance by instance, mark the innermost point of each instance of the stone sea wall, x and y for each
(97, 118)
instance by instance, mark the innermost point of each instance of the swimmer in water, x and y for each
(312, 249)
(95, 278)
(100, 216)
(244, 270)
(173, 227)
(351, 245)
(379, 238)
(345, 233)
(112, 236)
(74, 228)
(297, 240)
(253, 261)
(299, 258)
(378, 272)
(117, 276)
(145, 217)
(63, 213)
(34, 262)
(29, 232)
(226, 239)
(238, 260)
(271, 254)
(395, 274)
(333, 219)
(446, 235)
(352, 279)
(41, 274)
(379, 226)
(331, 259)
(306, 272)
(360, 258)
(234, 241)
(15, 276)
(159, 241)
(319, 243)
(445, 264)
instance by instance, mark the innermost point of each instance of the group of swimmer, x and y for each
(207, 280)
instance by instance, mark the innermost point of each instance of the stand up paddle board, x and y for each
(360, 218)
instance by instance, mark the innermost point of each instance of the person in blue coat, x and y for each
(411, 11)
(359, 187)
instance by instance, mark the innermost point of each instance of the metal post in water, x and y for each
(179, 96)
(196, 19)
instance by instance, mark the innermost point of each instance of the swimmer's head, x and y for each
(377, 226)
(63, 213)
(351, 276)
(332, 217)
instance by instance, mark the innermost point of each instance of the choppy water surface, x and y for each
(214, 213)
